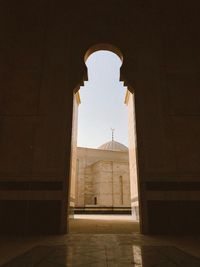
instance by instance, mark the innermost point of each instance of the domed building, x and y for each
(113, 146)
(102, 179)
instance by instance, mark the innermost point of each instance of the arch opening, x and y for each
(103, 47)
(122, 190)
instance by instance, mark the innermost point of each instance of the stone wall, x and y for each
(43, 44)
(105, 175)
(73, 170)
(129, 101)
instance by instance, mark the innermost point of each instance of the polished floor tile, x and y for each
(104, 250)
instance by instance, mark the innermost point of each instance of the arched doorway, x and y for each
(129, 101)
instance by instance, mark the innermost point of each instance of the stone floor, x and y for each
(102, 249)
(105, 250)
(104, 224)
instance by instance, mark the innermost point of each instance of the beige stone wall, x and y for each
(129, 100)
(76, 102)
(88, 185)
(102, 174)
(111, 183)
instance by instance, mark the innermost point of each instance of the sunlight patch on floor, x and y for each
(103, 224)
(104, 217)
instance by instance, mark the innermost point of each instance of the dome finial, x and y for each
(112, 129)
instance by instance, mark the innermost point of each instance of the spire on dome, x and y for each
(112, 129)
(113, 145)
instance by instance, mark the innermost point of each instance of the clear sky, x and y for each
(102, 102)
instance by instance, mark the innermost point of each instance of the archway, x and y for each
(129, 101)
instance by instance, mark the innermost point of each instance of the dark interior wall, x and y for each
(35, 116)
(42, 48)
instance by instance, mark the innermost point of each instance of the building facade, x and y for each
(103, 179)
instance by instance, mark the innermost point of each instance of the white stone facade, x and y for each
(102, 178)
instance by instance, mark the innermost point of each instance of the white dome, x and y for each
(114, 146)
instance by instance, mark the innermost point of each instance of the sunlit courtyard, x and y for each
(105, 224)
(103, 217)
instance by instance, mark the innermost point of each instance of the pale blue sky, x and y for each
(102, 102)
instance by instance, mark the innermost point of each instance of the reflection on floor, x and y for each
(107, 250)
(103, 224)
